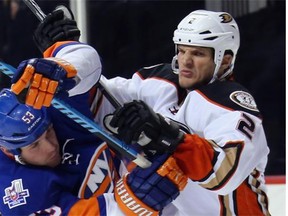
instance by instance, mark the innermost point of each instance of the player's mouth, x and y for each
(186, 73)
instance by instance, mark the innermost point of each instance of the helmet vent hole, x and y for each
(208, 32)
(205, 32)
(211, 38)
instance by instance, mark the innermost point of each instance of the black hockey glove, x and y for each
(137, 122)
(57, 26)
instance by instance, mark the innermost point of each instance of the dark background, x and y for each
(131, 34)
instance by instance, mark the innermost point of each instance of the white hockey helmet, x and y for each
(217, 30)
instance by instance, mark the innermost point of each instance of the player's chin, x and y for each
(186, 82)
(54, 161)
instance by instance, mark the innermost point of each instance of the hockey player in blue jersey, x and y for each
(83, 165)
(24, 188)
(93, 167)
(34, 178)
(86, 157)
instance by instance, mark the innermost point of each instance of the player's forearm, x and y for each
(84, 58)
(211, 166)
(195, 157)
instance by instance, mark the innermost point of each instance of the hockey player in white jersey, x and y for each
(226, 153)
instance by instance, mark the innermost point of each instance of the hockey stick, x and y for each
(34, 7)
(83, 121)
(90, 125)
(37, 11)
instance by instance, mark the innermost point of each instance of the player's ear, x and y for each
(6, 151)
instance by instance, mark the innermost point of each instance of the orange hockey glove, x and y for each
(43, 77)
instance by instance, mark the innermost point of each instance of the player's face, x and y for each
(43, 152)
(196, 66)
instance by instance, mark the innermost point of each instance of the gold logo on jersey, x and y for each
(226, 18)
(244, 99)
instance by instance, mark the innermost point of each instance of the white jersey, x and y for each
(88, 72)
(157, 88)
(225, 114)
(224, 118)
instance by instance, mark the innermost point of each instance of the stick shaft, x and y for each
(34, 7)
(90, 125)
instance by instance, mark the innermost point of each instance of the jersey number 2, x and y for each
(246, 126)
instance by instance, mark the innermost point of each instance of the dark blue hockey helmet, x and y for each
(20, 124)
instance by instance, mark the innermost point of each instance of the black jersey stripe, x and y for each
(219, 93)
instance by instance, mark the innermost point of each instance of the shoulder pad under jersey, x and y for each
(231, 95)
(163, 72)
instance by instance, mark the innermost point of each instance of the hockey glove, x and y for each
(137, 122)
(57, 26)
(149, 190)
(43, 77)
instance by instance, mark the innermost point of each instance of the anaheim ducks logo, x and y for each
(244, 99)
(226, 18)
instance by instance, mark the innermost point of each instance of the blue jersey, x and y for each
(84, 154)
(26, 189)
(87, 168)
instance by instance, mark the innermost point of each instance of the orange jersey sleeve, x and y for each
(195, 157)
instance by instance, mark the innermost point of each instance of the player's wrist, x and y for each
(173, 172)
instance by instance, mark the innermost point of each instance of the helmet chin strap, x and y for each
(13, 154)
(223, 76)
(174, 65)
(19, 159)
(175, 68)
(215, 77)
(226, 73)
(17, 156)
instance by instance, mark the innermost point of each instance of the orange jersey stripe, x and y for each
(250, 202)
(51, 49)
(247, 199)
(197, 157)
(108, 180)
